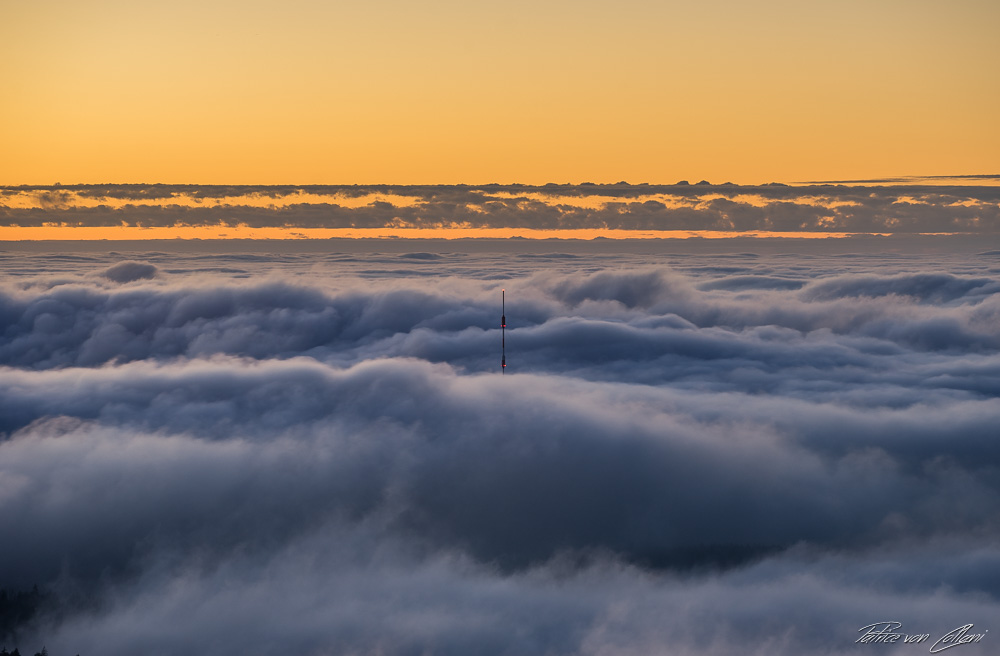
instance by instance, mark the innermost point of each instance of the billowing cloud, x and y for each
(735, 454)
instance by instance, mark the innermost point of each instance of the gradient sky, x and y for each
(300, 92)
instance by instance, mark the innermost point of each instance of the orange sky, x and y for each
(304, 91)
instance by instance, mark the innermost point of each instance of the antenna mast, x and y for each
(503, 330)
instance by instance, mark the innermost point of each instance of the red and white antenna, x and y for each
(503, 330)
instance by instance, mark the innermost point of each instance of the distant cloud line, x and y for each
(919, 208)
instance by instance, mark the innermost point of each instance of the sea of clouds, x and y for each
(316, 453)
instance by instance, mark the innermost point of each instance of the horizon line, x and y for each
(679, 183)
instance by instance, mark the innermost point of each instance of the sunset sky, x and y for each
(304, 92)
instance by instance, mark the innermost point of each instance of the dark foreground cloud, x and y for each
(402, 481)
(331, 593)
(758, 456)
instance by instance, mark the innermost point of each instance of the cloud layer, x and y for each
(866, 208)
(734, 454)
